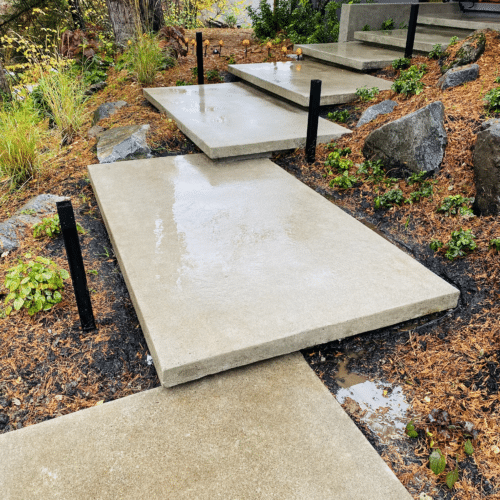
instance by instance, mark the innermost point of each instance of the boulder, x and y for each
(487, 169)
(458, 76)
(121, 142)
(95, 131)
(106, 109)
(32, 212)
(382, 108)
(471, 50)
(415, 142)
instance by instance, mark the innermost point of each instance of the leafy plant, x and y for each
(435, 245)
(51, 226)
(453, 41)
(389, 199)
(436, 52)
(410, 430)
(339, 116)
(213, 74)
(416, 178)
(231, 20)
(388, 25)
(468, 448)
(460, 244)
(401, 63)
(34, 285)
(337, 161)
(492, 99)
(366, 27)
(437, 461)
(181, 83)
(495, 244)
(20, 136)
(452, 477)
(344, 181)
(231, 60)
(408, 82)
(373, 169)
(456, 204)
(426, 191)
(365, 94)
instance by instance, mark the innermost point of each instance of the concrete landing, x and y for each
(459, 20)
(425, 38)
(228, 264)
(271, 430)
(355, 55)
(234, 120)
(292, 80)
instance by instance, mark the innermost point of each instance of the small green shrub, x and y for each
(231, 60)
(495, 244)
(401, 63)
(456, 205)
(181, 83)
(492, 99)
(436, 52)
(435, 245)
(461, 243)
(365, 94)
(20, 137)
(344, 181)
(453, 41)
(416, 178)
(408, 82)
(410, 430)
(337, 161)
(339, 116)
(374, 170)
(51, 226)
(389, 199)
(437, 461)
(213, 75)
(388, 25)
(426, 190)
(34, 285)
(231, 20)
(366, 27)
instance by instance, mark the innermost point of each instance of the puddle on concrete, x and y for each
(381, 407)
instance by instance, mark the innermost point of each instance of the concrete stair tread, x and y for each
(461, 21)
(271, 430)
(228, 264)
(357, 55)
(230, 120)
(425, 37)
(291, 80)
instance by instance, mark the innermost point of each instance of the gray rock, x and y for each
(106, 109)
(458, 76)
(95, 131)
(487, 170)
(470, 51)
(32, 212)
(489, 123)
(414, 142)
(95, 88)
(120, 142)
(382, 108)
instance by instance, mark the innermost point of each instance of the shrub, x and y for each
(408, 82)
(34, 285)
(335, 160)
(389, 199)
(344, 181)
(492, 99)
(63, 95)
(388, 25)
(20, 136)
(50, 226)
(401, 63)
(436, 52)
(454, 205)
(339, 116)
(460, 244)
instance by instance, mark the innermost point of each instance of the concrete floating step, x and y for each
(271, 430)
(231, 120)
(228, 264)
(461, 21)
(292, 80)
(355, 55)
(425, 38)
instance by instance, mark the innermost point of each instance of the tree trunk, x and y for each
(125, 18)
(4, 85)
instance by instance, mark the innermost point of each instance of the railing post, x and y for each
(199, 57)
(312, 120)
(75, 261)
(412, 28)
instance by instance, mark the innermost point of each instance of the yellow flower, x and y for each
(129, 42)
(246, 42)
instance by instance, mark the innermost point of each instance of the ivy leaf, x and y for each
(437, 461)
(451, 478)
(468, 448)
(57, 297)
(64, 274)
(18, 303)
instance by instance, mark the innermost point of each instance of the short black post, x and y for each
(199, 57)
(312, 120)
(412, 28)
(75, 261)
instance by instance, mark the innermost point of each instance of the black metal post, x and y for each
(75, 261)
(199, 57)
(412, 28)
(312, 120)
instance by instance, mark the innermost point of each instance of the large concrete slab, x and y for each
(460, 20)
(234, 120)
(425, 37)
(355, 55)
(271, 430)
(292, 80)
(228, 264)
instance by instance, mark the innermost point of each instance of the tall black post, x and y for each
(312, 120)
(412, 28)
(75, 261)
(199, 57)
